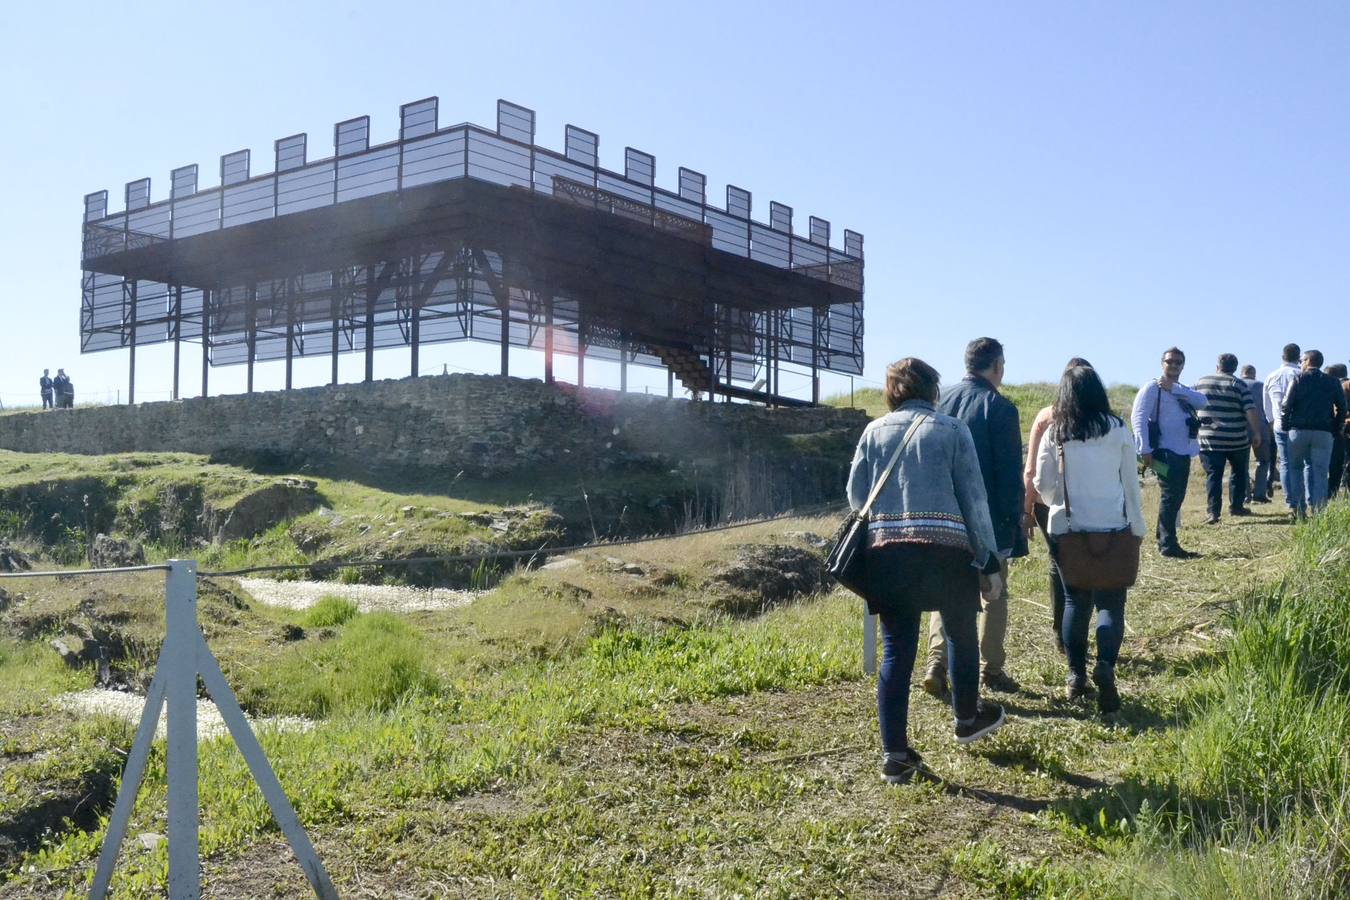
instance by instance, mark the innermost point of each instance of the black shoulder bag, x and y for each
(846, 563)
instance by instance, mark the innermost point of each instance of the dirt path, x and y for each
(367, 597)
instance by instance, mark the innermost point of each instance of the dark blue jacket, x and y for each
(993, 423)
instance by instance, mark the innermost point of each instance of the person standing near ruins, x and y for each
(45, 389)
(1261, 488)
(1088, 456)
(1036, 515)
(64, 390)
(1313, 410)
(1276, 386)
(1165, 437)
(930, 547)
(1229, 430)
(1339, 437)
(993, 423)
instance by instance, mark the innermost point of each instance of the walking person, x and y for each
(1166, 433)
(1338, 447)
(1272, 394)
(45, 389)
(1086, 475)
(1036, 514)
(1229, 430)
(1261, 487)
(1313, 410)
(994, 427)
(930, 547)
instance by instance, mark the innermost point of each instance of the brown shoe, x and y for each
(935, 683)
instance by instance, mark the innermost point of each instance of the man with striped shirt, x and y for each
(1229, 429)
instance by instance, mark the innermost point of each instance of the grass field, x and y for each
(599, 732)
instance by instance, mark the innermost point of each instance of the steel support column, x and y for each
(131, 377)
(336, 304)
(416, 335)
(206, 338)
(290, 333)
(371, 293)
(252, 333)
(548, 340)
(177, 333)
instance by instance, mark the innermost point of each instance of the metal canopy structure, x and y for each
(462, 233)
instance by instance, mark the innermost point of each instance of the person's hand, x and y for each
(1256, 442)
(1029, 525)
(1148, 460)
(991, 585)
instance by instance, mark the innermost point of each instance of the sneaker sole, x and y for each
(983, 732)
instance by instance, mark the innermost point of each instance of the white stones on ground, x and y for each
(128, 707)
(367, 597)
(559, 564)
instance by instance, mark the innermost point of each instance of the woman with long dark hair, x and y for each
(1036, 514)
(1086, 476)
(930, 542)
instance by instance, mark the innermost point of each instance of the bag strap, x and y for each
(890, 466)
(1064, 478)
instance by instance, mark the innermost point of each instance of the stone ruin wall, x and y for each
(483, 425)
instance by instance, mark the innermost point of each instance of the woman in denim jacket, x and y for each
(930, 542)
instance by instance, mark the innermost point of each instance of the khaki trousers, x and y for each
(993, 630)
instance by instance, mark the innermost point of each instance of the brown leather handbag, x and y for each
(1095, 560)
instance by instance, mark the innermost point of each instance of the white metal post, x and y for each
(183, 655)
(179, 661)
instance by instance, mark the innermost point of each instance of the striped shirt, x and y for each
(1223, 424)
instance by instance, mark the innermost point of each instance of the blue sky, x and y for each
(1090, 179)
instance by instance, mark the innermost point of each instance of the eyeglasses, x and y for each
(1174, 362)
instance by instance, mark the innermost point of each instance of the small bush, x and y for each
(378, 660)
(330, 612)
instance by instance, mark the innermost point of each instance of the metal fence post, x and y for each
(181, 667)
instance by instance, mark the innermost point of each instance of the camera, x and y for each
(1192, 426)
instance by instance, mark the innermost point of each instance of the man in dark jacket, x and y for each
(993, 423)
(45, 389)
(1312, 411)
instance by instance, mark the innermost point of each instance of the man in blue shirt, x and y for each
(1165, 435)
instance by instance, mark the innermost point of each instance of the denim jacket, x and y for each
(936, 493)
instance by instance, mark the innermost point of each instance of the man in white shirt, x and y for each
(1276, 386)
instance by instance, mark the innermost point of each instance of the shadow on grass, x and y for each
(993, 798)
(1173, 666)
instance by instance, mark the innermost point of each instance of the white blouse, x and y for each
(1103, 483)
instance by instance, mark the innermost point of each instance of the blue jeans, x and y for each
(1282, 445)
(1078, 606)
(1309, 468)
(900, 644)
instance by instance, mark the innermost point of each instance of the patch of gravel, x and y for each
(367, 597)
(128, 707)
